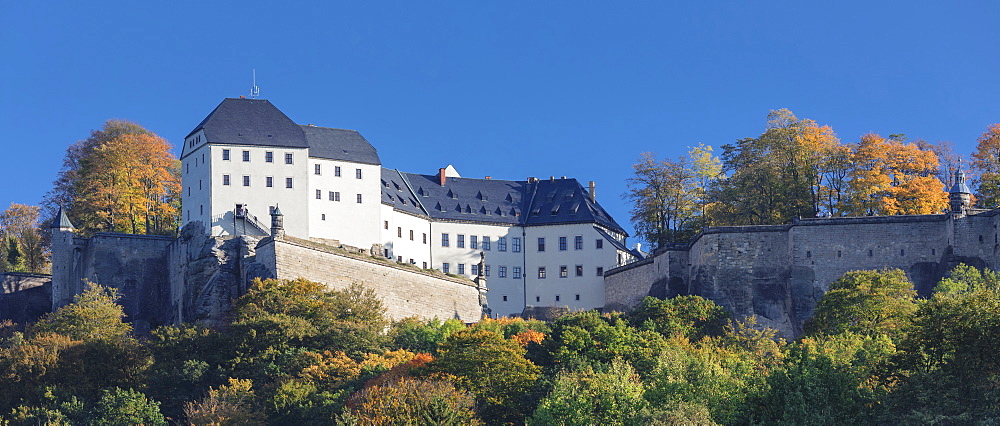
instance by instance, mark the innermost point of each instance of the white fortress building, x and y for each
(546, 242)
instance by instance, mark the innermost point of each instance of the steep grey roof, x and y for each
(496, 201)
(251, 122)
(339, 144)
(62, 221)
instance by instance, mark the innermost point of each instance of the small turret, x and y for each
(64, 282)
(277, 223)
(960, 196)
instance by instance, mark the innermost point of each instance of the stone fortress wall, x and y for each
(780, 272)
(195, 278)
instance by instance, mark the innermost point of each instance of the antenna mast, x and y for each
(254, 90)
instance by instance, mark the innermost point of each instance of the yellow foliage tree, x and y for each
(986, 161)
(891, 177)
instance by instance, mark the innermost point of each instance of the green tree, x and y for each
(690, 316)
(866, 303)
(492, 368)
(231, 404)
(20, 223)
(422, 335)
(777, 176)
(119, 407)
(986, 161)
(663, 199)
(93, 315)
(948, 364)
(410, 401)
(607, 395)
(589, 337)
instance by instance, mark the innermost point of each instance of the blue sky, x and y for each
(507, 89)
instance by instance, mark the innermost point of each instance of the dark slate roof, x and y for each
(62, 221)
(496, 201)
(340, 144)
(251, 122)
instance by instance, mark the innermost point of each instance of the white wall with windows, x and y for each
(406, 237)
(257, 184)
(334, 187)
(196, 180)
(565, 273)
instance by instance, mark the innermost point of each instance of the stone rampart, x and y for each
(24, 297)
(779, 273)
(404, 289)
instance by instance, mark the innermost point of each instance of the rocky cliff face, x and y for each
(208, 274)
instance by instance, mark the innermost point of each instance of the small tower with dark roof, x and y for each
(277, 223)
(63, 282)
(960, 196)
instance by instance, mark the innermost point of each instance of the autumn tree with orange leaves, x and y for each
(122, 178)
(890, 177)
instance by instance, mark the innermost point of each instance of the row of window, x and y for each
(516, 270)
(539, 298)
(318, 170)
(333, 195)
(268, 156)
(474, 242)
(268, 181)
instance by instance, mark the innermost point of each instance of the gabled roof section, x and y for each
(340, 144)
(251, 122)
(496, 201)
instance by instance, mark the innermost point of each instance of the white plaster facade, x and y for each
(438, 221)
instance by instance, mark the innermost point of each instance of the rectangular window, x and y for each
(579, 270)
(461, 268)
(246, 156)
(424, 265)
(460, 241)
(385, 224)
(225, 180)
(322, 216)
(475, 269)
(359, 198)
(288, 182)
(562, 243)
(473, 242)
(319, 194)
(225, 155)
(189, 191)
(486, 243)
(600, 271)
(515, 244)
(399, 232)
(425, 238)
(411, 235)
(557, 298)
(336, 171)
(487, 273)
(268, 157)
(288, 158)
(446, 268)
(336, 196)
(357, 173)
(563, 271)
(505, 298)
(578, 242)
(600, 244)
(269, 181)
(316, 169)
(517, 273)
(541, 272)
(330, 195)
(246, 180)
(541, 244)
(502, 243)
(578, 297)
(502, 272)
(444, 240)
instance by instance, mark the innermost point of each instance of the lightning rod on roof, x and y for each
(254, 90)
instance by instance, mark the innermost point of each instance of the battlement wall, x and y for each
(404, 290)
(780, 272)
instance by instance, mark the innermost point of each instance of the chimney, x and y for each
(243, 97)
(532, 179)
(593, 195)
(441, 176)
(552, 178)
(489, 177)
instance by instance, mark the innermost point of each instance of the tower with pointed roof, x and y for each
(960, 196)
(63, 285)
